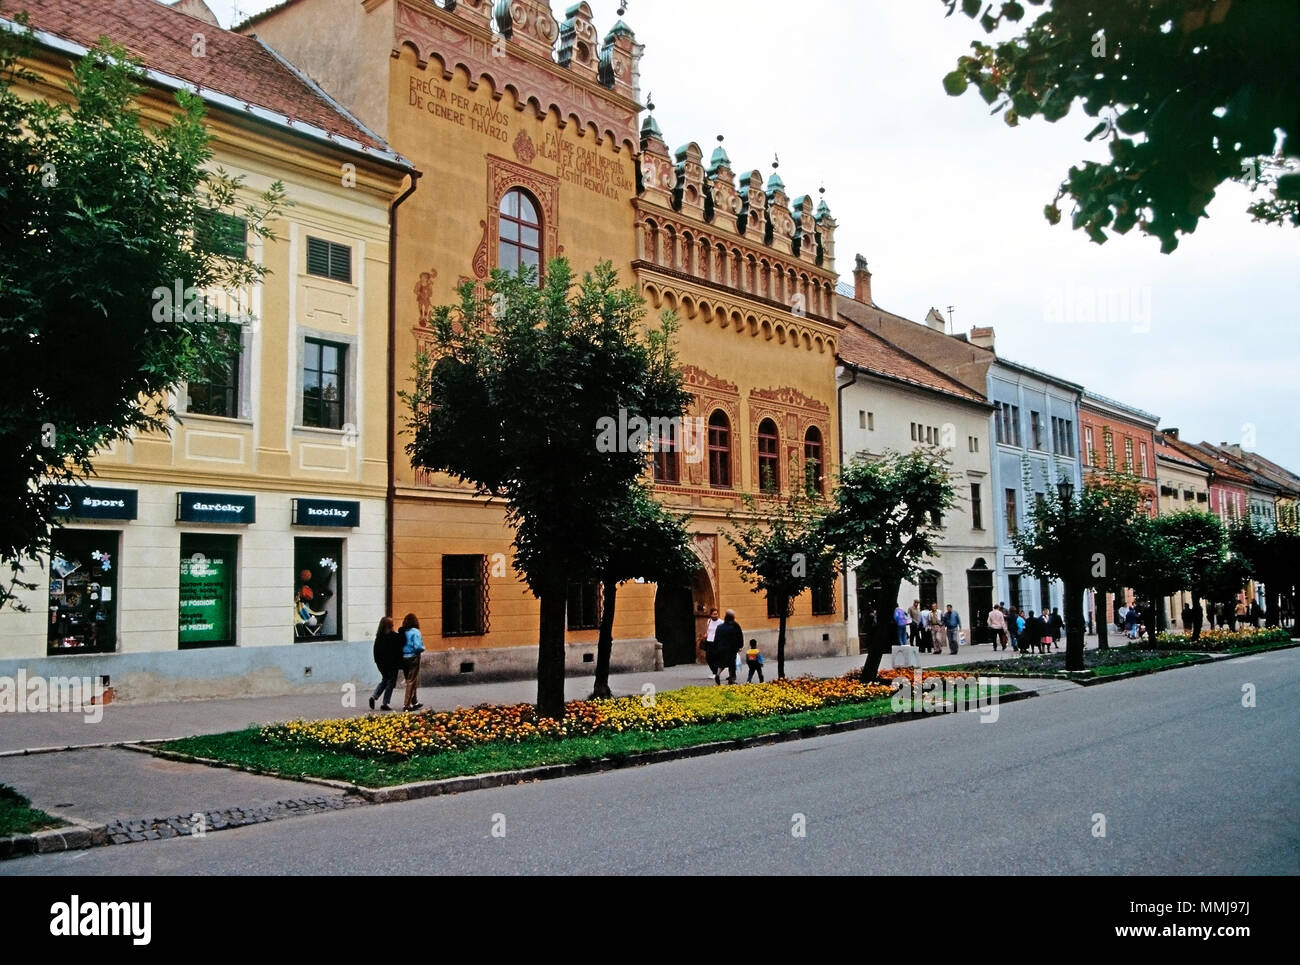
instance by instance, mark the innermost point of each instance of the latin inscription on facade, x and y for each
(443, 104)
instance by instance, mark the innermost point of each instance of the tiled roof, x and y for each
(1223, 469)
(967, 364)
(871, 353)
(239, 67)
(1172, 450)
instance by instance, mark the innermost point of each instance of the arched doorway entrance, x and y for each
(681, 619)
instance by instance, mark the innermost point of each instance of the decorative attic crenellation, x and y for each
(530, 25)
(694, 220)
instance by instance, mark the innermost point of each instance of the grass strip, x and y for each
(242, 748)
(17, 816)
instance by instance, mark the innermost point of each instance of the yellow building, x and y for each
(180, 572)
(525, 129)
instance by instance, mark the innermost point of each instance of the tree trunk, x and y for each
(605, 643)
(550, 648)
(1230, 612)
(1272, 597)
(1074, 641)
(886, 634)
(1197, 617)
(1102, 618)
(780, 640)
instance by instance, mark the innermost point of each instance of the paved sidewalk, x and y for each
(123, 723)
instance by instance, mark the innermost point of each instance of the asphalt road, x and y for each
(1188, 780)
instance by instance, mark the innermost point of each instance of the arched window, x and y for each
(520, 233)
(769, 459)
(719, 450)
(814, 471)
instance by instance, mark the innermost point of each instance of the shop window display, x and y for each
(83, 592)
(318, 594)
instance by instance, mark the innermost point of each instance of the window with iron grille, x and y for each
(774, 612)
(583, 610)
(329, 260)
(769, 462)
(464, 596)
(823, 597)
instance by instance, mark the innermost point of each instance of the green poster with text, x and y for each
(207, 589)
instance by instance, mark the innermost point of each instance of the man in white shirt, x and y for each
(710, 630)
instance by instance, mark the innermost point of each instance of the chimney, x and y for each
(196, 9)
(862, 282)
(1171, 433)
(983, 337)
(934, 318)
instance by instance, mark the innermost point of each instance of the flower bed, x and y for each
(1215, 641)
(405, 735)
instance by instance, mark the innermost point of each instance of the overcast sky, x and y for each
(945, 201)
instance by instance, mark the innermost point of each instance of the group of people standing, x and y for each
(1025, 630)
(398, 650)
(928, 630)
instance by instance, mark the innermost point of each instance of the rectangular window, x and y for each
(913, 425)
(664, 458)
(976, 509)
(209, 565)
(1090, 455)
(323, 384)
(464, 596)
(1108, 440)
(83, 591)
(318, 597)
(772, 611)
(1142, 447)
(871, 422)
(1129, 465)
(583, 610)
(862, 418)
(1015, 425)
(329, 260)
(1036, 429)
(221, 234)
(1013, 590)
(1009, 508)
(218, 393)
(823, 597)
(997, 422)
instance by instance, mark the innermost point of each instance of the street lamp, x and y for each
(1066, 490)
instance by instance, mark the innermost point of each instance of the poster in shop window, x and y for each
(206, 585)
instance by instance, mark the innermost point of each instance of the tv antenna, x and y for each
(950, 322)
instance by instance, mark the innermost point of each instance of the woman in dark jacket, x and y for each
(388, 658)
(1033, 635)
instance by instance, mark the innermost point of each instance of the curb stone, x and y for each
(475, 782)
(126, 832)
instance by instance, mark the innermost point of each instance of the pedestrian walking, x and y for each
(754, 660)
(1055, 626)
(901, 620)
(412, 650)
(728, 640)
(389, 645)
(914, 615)
(707, 643)
(997, 622)
(1032, 634)
(923, 632)
(952, 622)
(937, 634)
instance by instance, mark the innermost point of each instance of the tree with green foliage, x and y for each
(1271, 555)
(1203, 542)
(1084, 539)
(102, 221)
(644, 542)
(886, 524)
(1192, 93)
(512, 400)
(781, 552)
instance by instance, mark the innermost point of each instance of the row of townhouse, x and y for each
(423, 144)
